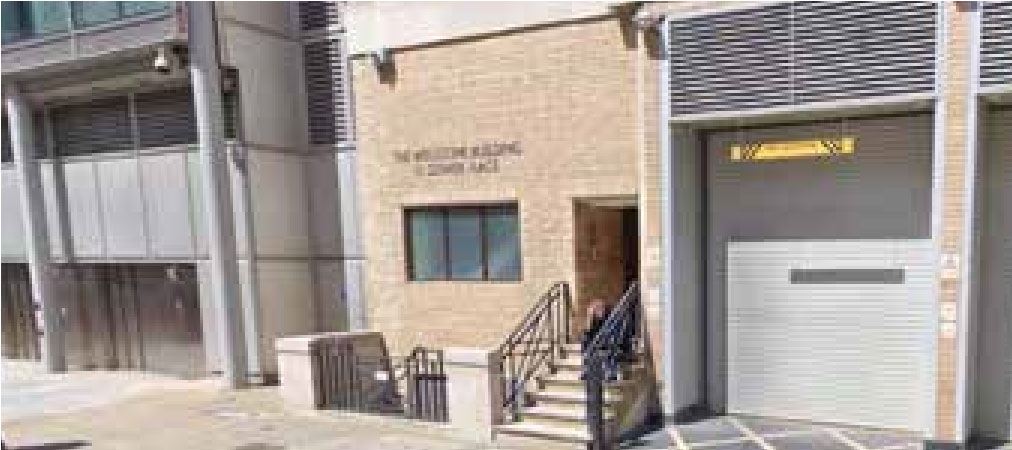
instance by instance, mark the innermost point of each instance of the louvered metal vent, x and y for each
(98, 126)
(794, 53)
(317, 15)
(325, 91)
(996, 44)
(166, 118)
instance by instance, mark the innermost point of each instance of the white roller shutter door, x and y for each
(832, 331)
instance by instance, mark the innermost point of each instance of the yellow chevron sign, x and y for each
(762, 151)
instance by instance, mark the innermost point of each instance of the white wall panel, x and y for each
(122, 207)
(279, 198)
(53, 192)
(168, 204)
(286, 304)
(843, 352)
(196, 203)
(13, 231)
(84, 209)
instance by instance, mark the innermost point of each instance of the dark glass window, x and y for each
(22, 20)
(463, 243)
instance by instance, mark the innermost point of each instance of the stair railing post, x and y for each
(594, 375)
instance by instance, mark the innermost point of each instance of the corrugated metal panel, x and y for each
(794, 53)
(996, 44)
(316, 15)
(994, 365)
(326, 98)
(168, 207)
(166, 118)
(97, 126)
(839, 353)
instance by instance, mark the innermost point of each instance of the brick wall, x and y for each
(566, 93)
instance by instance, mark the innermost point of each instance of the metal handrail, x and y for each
(534, 344)
(620, 335)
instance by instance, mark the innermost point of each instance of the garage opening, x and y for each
(994, 364)
(819, 271)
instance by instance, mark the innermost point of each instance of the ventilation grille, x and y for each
(326, 98)
(8, 154)
(166, 118)
(996, 44)
(317, 15)
(794, 53)
(98, 126)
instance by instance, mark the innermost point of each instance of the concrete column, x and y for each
(205, 76)
(474, 396)
(33, 211)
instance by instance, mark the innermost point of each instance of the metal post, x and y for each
(33, 212)
(205, 76)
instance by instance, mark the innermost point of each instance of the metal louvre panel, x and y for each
(795, 53)
(316, 15)
(996, 44)
(729, 61)
(166, 118)
(94, 127)
(325, 91)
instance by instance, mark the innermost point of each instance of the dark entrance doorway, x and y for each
(606, 250)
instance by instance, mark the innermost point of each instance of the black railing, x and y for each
(372, 383)
(617, 341)
(534, 345)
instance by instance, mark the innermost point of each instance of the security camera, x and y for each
(165, 61)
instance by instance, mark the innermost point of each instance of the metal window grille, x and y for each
(800, 52)
(996, 44)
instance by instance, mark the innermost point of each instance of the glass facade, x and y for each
(24, 20)
(469, 243)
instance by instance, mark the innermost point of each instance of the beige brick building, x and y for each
(814, 216)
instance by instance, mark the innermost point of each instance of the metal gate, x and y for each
(131, 316)
(20, 333)
(374, 383)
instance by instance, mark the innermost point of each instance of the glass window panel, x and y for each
(428, 250)
(132, 8)
(502, 234)
(93, 13)
(464, 230)
(14, 19)
(49, 17)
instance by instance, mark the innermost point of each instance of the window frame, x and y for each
(444, 211)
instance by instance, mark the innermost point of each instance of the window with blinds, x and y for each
(94, 127)
(800, 52)
(996, 43)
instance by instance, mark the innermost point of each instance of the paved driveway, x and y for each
(132, 411)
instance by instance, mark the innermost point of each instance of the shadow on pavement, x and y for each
(69, 445)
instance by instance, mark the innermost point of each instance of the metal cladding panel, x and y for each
(123, 218)
(855, 353)
(11, 220)
(170, 229)
(94, 127)
(880, 191)
(317, 15)
(326, 96)
(84, 209)
(996, 44)
(801, 52)
(994, 364)
(165, 118)
(280, 203)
